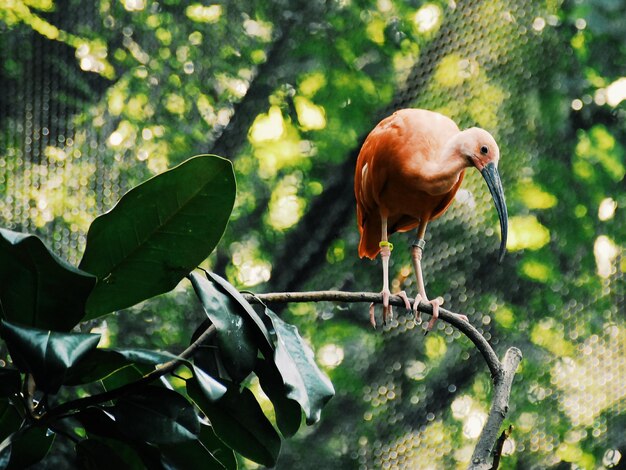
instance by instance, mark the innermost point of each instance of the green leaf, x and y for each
(220, 451)
(211, 388)
(5, 457)
(158, 232)
(37, 288)
(239, 422)
(101, 363)
(93, 454)
(304, 381)
(208, 357)
(288, 411)
(264, 341)
(100, 424)
(206, 448)
(99, 421)
(10, 419)
(135, 455)
(157, 415)
(235, 340)
(124, 376)
(10, 381)
(46, 354)
(25, 447)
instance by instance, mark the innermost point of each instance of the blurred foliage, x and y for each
(288, 90)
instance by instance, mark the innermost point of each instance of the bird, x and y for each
(408, 171)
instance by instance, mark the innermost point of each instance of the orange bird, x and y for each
(409, 169)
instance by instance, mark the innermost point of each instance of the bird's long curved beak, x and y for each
(492, 178)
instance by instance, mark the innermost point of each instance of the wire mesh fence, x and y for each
(98, 96)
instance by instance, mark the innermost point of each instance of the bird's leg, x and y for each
(385, 254)
(417, 251)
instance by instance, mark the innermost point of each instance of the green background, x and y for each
(97, 96)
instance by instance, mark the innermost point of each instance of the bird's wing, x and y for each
(369, 180)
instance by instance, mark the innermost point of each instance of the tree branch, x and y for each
(367, 297)
(502, 374)
(499, 408)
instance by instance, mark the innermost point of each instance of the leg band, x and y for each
(421, 243)
(383, 244)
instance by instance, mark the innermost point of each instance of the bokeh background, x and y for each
(98, 95)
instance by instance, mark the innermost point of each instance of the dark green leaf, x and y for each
(208, 356)
(158, 232)
(305, 382)
(10, 419)
(157, 415)
(239, 422)
(235, 339)
(136, 455)
(100, 424)
(101, 363)
(26, 447)
(96, 365)
(10, 382)
(288, 411)
(199, 453)
(37, 288)
(123, 376)
(93, 454)
(145, 356)
(5, 457)
(46, 354)
(211, 388)
(99, 421)
(265, 343)
(220, 451)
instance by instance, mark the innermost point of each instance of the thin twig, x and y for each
(452, 318)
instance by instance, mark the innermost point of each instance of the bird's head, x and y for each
(482, 152)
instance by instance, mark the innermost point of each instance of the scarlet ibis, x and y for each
(409, 169)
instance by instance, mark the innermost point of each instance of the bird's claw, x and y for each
(462, 317)
(387, 307)
(403, 296)
(416, 312)
(372, 314)
(435, 303)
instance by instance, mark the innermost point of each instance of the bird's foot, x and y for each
(436, 303)
(433, 319)
(387, 307)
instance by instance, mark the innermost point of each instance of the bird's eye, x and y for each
(484, 150)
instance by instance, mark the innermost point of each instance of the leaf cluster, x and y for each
(126, 407)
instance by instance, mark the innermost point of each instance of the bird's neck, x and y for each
(451, 163)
